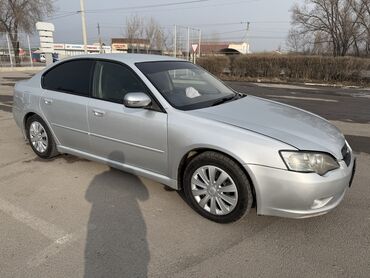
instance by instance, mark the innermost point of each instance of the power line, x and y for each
(62, 15)
(243, 30)
(240, 22)
(145, 6)
(250, 37)
(269, 21)
(213, 5)
(119, 9)
(112, 27)
(264, 29)
(227, 32)
(71, 13)
(207, 6)
(239, 40)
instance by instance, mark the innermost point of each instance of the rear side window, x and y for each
(70, 77)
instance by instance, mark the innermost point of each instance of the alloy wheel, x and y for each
(38, 137)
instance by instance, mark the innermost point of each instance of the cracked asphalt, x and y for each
(69, 217)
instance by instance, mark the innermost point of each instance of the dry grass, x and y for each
(291, 68)
(214, 64)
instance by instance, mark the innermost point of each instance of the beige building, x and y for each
(66, 49)
(225, 48)
(125, 45)
(243, 48)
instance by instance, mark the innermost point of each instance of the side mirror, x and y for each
(136, 100)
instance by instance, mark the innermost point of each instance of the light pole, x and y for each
(84, 36)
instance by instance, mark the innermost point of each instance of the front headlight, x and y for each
(309, 162)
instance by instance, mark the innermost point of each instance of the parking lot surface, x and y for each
(69, 217)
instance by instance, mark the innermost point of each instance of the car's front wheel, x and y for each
(40, 137)
(217, 188)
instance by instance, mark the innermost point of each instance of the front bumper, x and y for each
(299, 195)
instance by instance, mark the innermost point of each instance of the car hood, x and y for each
(296, 127)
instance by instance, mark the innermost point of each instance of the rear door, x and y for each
(132, 136)
(66, 89)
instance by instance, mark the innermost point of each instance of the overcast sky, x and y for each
(218, 19)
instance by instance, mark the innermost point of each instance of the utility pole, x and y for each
(29, 50)
(84, 36)
(188, 49)
(100, 44)
(246, 38)
(246, 32)
(175, 42)
(200, 39)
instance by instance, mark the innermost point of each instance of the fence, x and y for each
(15, 52)
(183, 39)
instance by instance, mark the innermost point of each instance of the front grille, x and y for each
(346, 154)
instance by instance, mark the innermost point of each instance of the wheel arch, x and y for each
(197, 151)
(32, 113)
(26, 117)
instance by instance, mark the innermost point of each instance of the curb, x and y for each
(17, 69)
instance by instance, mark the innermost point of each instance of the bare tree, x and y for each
(22, 15)
(293, 41)
(134, 27)
(321, 43)
(149, 29)
(332, 19)
(298, 42)
(362, 10)
(155, 34)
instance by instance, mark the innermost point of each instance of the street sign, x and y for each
(194, 46)
(47, 39)
(46, 30)
(45, 33)
(45, 26)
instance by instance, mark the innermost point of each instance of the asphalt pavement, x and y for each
(69, 217)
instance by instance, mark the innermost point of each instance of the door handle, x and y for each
(98, 113)
(48, 101)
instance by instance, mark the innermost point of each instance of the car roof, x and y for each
(128, 58)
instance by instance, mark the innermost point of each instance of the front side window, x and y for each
(113, 81)
(185, 85)
(71, 77)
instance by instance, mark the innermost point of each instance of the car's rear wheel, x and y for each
(217, 188)
(40, 137)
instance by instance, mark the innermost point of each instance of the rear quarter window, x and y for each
(71, 77)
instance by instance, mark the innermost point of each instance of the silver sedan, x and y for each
(173, 122)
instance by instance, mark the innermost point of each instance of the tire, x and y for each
(229, 192)
(43, 145)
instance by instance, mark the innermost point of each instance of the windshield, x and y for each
(184, 85)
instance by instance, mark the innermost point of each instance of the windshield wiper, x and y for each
(226, 99)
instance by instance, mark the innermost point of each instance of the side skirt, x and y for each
(121, 166)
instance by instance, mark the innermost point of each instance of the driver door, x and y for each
(132, 136)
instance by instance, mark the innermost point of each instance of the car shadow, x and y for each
(116, 243)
